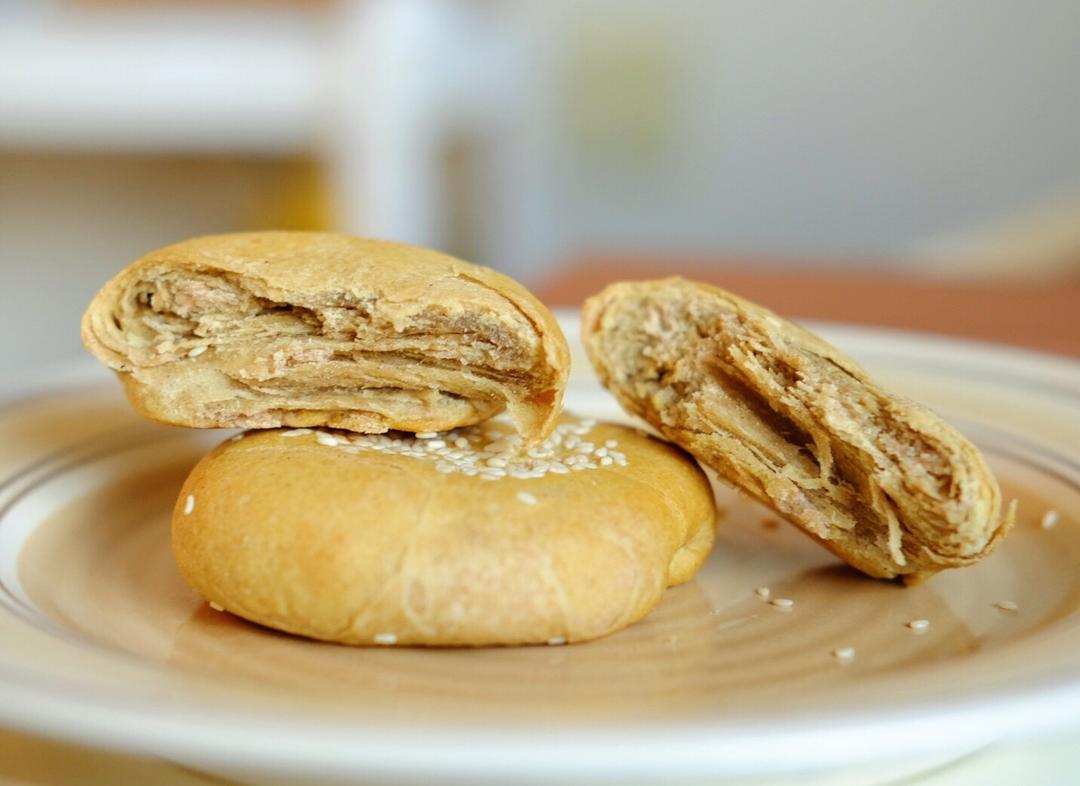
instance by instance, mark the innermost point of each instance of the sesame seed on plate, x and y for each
(189, 504)
(844, 654)
(526, 497)
(763, 592)
(1050, 519)
(1006, 605)
(782, 603)
(385, 638)
(555, 641)
(918, 626)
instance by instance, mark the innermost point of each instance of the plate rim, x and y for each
(702, 746)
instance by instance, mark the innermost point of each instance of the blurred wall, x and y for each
(850, 131)
(69, 222)
(799, 127)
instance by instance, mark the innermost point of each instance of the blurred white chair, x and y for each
(375, 87)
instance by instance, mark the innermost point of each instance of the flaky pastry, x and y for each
(883, 482)
(301, 329)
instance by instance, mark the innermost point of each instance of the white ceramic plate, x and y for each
(101, 643)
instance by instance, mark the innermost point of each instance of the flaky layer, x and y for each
(281, 328)
(883, 482)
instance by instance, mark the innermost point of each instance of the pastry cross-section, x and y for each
(883, 482)
(316, 329)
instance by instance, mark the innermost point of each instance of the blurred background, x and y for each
(932, 140)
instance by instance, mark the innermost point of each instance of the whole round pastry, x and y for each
(465, 538)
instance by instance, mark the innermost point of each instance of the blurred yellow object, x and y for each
(304, 4)
(298, 199)
(1040, 242)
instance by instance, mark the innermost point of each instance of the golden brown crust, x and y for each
(883, 482)
(348, 543)
(294, 328)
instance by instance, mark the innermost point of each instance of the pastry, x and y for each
(462, 538)
(883, 482)
(316, 329)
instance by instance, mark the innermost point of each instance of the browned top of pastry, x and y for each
(883, 482)
(295, 328)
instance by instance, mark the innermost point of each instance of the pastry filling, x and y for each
(791, 426)
(340, 351)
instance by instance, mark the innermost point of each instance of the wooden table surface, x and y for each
(1041, 315)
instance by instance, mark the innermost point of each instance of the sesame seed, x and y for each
(919, 626)
(1050, 519)
(1006, 605)
(216, 606)
(844, 654)
(611, 444)
(555, 641)
(486, 450)
(763, 592)
(385, 638)
(197, 351)
(782, 603)
(189, 504)
(526, 497)
(296, 432)
(236, 437)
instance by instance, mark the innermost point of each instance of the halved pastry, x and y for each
(316, 329)
(883, 482)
